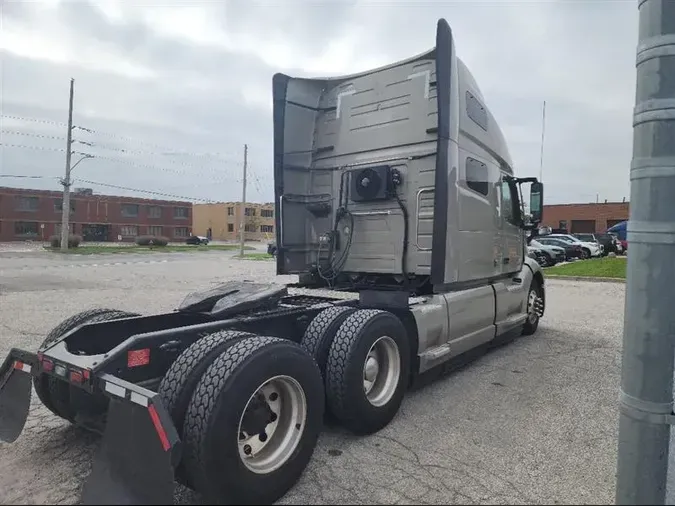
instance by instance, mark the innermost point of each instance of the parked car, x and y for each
(572, 251)
(606, 244)
(555, 254)
(538, 255)
(620, 231)
(197, 240)
(610, 242)
(591, 249)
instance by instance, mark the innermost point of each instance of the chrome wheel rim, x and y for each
(531, 307)
(272, 424)
(381, 371)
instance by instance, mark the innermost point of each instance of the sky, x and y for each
(168, 92)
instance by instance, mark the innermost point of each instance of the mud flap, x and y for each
(135, 463)
(15, 393)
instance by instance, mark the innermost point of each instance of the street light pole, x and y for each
(646, 396)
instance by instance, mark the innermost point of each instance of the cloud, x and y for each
(196, 77)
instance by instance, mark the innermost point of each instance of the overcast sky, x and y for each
(194, 77)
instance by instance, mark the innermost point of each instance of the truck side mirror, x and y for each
(537, 202)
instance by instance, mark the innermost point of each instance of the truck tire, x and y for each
(367, 370)
(264, 386)
(54, 393)
(321, 331)
(532, 322)
(177, 386)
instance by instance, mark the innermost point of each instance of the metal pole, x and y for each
(543, 133)
(646, 397)
(242, 218)
(65, 212)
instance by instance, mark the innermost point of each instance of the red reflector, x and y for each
(86, 373)
(163, 438)
(47, 365)
(76, 376)
(18, 365)
(136, 358)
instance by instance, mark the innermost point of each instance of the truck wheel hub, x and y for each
(381, 371)
(272, 424)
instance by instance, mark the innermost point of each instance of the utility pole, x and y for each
(242, 219)
(543, 133)
(646, 396)
(65, 214)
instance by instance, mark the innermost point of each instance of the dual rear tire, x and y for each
(249, 410)
(364, 357)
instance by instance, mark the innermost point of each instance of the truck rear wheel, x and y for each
(367, 370)
(253, 422)
(56, 394)
(177, 386)
(321, 331)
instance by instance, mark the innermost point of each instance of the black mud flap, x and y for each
(135, 463)
(15, 393)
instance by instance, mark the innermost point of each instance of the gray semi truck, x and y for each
(393, 184)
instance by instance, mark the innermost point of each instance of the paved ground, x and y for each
(533, 422)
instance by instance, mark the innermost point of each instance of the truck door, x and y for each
(512, 234)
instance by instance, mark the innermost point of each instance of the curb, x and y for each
(585, 278)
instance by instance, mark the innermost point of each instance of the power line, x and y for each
(34, 120)
(39, 148)
(147, 153)
(151, 192)
(32, 134)
(165, 150)
(19, 176)
(149, 166)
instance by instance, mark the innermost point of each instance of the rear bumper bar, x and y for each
(140, 447)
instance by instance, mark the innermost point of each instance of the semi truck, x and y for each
(394, 185)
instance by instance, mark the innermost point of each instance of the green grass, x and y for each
(98, 250)
(594, 268)
(257, 256)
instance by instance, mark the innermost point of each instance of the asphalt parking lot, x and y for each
(534, 422)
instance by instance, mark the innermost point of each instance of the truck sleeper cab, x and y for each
(399, 178)
(394, 184)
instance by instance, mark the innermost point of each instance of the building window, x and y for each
(230, 211)
(230, 227)
(58, 205)
(129, 231)
(268, 229)
(129, 210)
(180, 213)
(154, 212)
(27, 203)
(26, 228)
(155, 230)
(250, 228)
(249, 211)
(180, 232)
(267, 213)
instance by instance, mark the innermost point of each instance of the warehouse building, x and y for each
(585, 218)
(27, 214)
(223, 219)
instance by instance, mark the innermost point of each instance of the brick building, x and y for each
(585, 218)
(27, 214)
(223, 220)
